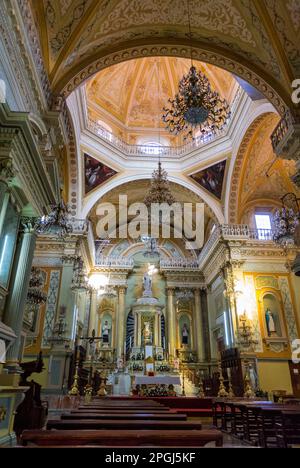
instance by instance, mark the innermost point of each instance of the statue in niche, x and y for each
(147, 333)
(270, 321)
(106, 333)
(147, 282)
(185, 335)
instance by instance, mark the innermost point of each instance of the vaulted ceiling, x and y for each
(261, 35)
(132, 94)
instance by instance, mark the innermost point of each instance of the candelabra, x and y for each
(222, 393)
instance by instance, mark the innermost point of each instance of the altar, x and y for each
(157, 380)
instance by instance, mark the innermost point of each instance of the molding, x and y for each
(70, 82)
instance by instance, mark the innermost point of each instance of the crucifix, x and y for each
(91, 340)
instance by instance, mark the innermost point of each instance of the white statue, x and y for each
(120, 363)
(147, 282)
(105, 332)
(271, 327)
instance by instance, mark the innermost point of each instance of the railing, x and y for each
(284, 128)
(224, 231)
(164, 151)
(178, 263)
(114, 262)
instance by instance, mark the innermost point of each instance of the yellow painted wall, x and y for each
(274, 375)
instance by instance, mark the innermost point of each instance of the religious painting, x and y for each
(211, 178)
(96, 173)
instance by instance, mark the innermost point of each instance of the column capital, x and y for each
(122, 289)
(27, 225)
(170, 291)
(7, 170)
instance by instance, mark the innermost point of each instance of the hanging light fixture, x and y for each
(286, 220)
(195, 106)
(158, 193)
(57, 221)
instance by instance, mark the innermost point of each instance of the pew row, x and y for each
(127, 416)
(65, 424)
(122, 438)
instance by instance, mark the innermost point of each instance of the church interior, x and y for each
(150, 223)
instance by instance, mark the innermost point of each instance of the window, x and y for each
(263, 225)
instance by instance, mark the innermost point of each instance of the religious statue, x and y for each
(184, 335)
(120, 363)
(271, 327)
(147, 282)
(147, 334)
(105, 333)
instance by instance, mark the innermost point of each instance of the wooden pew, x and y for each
(127, 416)
(63, 424)
(119, 408)
(288, 429)
(122, 411)
(123, 438)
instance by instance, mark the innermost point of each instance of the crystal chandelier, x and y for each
(195, 106)
(286, 220)
(57, 221)
(35, 295)
(159, 191)
(184, 295)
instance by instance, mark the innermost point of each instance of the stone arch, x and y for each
(235, 179)
(261, 81)
(121, 179)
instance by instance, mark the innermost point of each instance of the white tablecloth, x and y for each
(159, 380)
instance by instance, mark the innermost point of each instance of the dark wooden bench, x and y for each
(123, 438)
(117, 408)
(62, 424)
(128, 416)
(122, 411)
(288, 429)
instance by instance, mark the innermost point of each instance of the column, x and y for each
(135, 329)
(198, 326)
(93, 315)
(121, 321)
(205, 321)
(159, 329)
(171, 322)
(14, 311)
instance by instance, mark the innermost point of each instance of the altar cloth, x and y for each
(157, 380)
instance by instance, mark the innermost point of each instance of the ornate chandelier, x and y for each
(160, 190)
(196, 106)
(35, 295)
(57, 221)
(286, 220)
